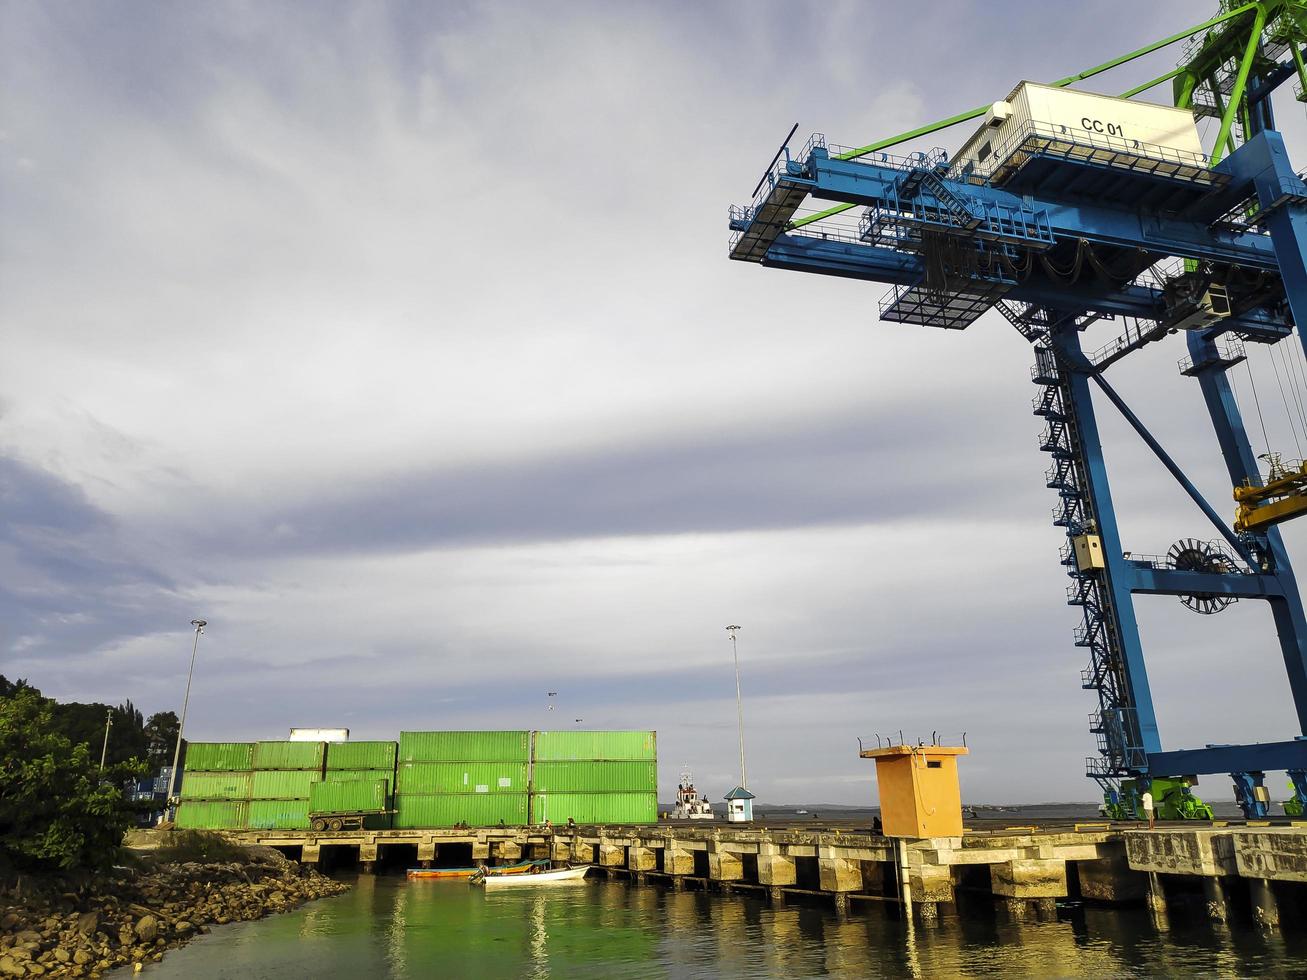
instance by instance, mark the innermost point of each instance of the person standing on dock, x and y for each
(1147, 801)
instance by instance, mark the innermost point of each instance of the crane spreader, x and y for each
(1067, 209)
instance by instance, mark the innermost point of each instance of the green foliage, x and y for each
(131, 737)
(57, 810)
(160, 739)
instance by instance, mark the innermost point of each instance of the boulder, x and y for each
(147, 929)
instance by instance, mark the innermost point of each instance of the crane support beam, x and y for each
(1259, 757)
(1166, 581)
(873, 185)
(850, 260)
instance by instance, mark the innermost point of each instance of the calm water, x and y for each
(389, 928)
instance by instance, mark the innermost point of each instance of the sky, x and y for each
(399, 342)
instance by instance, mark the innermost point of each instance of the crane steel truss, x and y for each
(1068, 235)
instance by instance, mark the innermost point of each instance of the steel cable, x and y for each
(1252, 383)
(1293, 424)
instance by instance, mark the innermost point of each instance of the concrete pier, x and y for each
(1025, 870)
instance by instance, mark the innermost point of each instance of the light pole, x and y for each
(104, 752)
(739, 705)
(199, 625)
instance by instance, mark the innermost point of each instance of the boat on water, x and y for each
(509, 869)
(690, 803)
(491, 878)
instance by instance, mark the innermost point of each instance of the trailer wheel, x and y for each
(336, 823)
(319, 823)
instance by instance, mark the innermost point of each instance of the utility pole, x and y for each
(739, 705)
(199, 625)
(104, 751)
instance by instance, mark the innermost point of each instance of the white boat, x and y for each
(553, 877)
(690, 803)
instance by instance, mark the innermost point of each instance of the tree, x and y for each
(57, 811)
(83, 724)
(161, 739)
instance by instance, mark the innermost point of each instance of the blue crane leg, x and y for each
(1264, 162)
(1117, 574)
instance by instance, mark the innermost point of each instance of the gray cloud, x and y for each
(399, 341)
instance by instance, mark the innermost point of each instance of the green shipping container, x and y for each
(350, 775)
(213, 815)
(279, 815)
(289, 755)
(594, 777)
(362, 755)
(216, 785)
(350, 797)
(476, 809)
(282, 784)
(427, 778)
(583, 746)
(464, 746)
(218, 756)
(595, 807)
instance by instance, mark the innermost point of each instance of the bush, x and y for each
(57, 810)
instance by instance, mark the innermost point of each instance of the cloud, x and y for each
(399, 342)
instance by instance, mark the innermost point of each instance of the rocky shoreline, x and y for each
(134, 916)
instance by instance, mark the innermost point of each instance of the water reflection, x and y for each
(387, 928)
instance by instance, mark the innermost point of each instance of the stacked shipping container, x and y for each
(360, 777)
(283, 774)
(594, 777)
(479, 778)
(216, 785)
(430, 779)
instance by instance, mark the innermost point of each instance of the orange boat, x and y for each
(508, 869)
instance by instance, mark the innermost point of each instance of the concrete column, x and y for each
(723, 865)
(641, 858)
(505, 850)
(368, 853)
(1029, 879)
(310, 853)
(582, 853)
(426, 852)
(611, 855)
(676, 861)
(776, 895)
(1266, 912)
(1214, 897)
(561, 851)
(539, 852)
(841, 903)
(481, 850)
(1111, 880)
(839, 874)
(774, 868)
(932, 885)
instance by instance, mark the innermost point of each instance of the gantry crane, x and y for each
(1060, 225)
